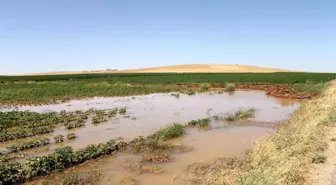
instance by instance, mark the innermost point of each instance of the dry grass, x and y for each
(287, 156)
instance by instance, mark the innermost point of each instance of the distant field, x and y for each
(169, 78)
(52, 88)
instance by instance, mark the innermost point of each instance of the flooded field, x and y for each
(146, 114)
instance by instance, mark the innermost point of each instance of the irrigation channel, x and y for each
(145, 115)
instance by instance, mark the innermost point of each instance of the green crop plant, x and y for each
(74, 125)
(171, 131)
(200, 122)
(71, 136)
(240, 114)
(60, 159)
(229, 88)
(52, 88)
(59, 138)
(113, 113)
(123, 111)
(28, 145)
(11, 173)
(98, 119)
(24, 132)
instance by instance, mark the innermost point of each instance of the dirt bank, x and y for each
(325, 174)
(275, 90)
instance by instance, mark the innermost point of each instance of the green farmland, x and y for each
(53, 88)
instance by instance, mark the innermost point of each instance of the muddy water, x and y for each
(202, 147)
(151, 112)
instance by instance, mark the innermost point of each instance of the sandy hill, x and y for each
(189, 68)
(205, 68)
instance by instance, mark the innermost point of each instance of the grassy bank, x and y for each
(287, 156)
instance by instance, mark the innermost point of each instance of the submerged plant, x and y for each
(123, 111)
(176, 95)
(200, 122)
(240, 114)
(92, 178)
(28, 145)
(113, 113)
(149, 145)
(169, 132)
(71, 136)
(59, 138)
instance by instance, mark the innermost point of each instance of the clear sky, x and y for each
(53, 35)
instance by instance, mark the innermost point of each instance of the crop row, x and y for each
(24, 132)
(60, 159)
(28, 145)
(27, 119)
(21, 124)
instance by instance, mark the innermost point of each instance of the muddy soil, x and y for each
(275, 90)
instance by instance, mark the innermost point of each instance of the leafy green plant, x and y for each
(28, 145)
(171, 131)
(200, 122)
(71, 136)
(229, 88)
(240, 114)
(123, 111)
(24, 132)
(113, 113)
(59, 138)
(11, 173)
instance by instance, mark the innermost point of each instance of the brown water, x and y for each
(154, 111)
(151, 112)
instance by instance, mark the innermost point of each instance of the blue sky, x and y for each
(54, 35)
